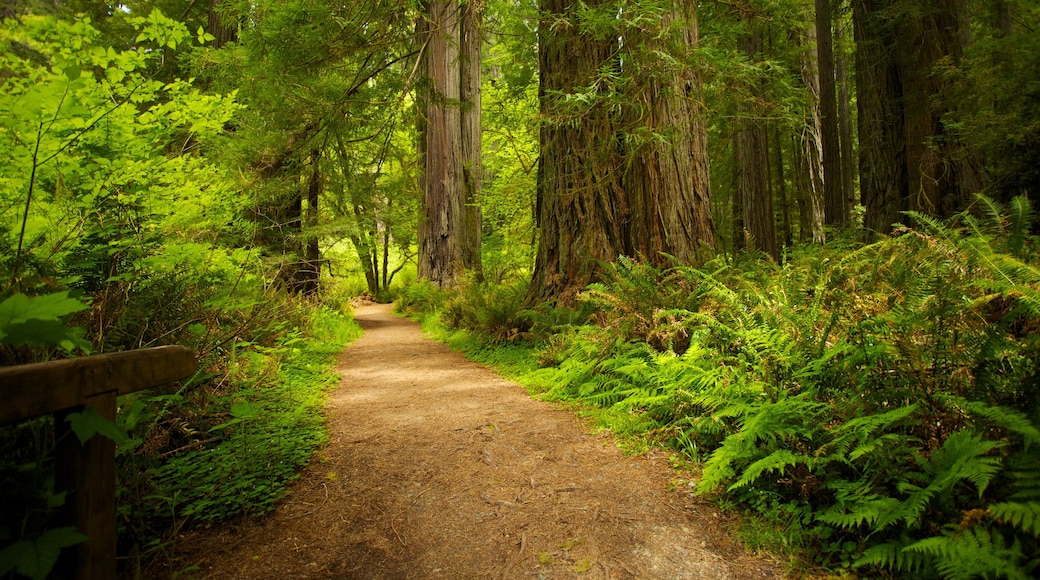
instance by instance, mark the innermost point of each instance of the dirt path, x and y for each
(438, 468)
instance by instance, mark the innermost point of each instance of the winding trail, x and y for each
(439, 468)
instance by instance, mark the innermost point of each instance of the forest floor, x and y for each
(438, 468)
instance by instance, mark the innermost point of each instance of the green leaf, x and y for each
(90, 423)
(21, 308)
(36, 558)
(38, 320)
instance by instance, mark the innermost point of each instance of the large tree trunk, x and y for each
(836, 212)
(882, 143)
(605, 188)
(442, 232)
(471, 39)
(907, 158)
(582, 212)
(941, 178)
(751, 163)
(667, 179)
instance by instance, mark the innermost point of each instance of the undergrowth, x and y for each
(876, 404)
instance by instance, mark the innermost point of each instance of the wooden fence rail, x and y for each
(87, 470)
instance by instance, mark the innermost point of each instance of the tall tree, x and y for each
(623, 169)
(471, 41)
(909, 159)
(835, 203)
(666, 179)
(751, 155)
(581, 212)
(810, 159)
(449, 228)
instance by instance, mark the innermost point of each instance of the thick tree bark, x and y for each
(604, 188)
(582, 211)
(836, 212)
(667, 179)
(941, 178)
(751, 163)
(882, 143)
(907, 158)
(442, 232)
(471, 39)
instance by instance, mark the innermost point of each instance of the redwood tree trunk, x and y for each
(907, 158)
(604, 188)
(471, 38)
(667, 179)
(836, 212)
(442, 232)
(751, 163)
(582, 211)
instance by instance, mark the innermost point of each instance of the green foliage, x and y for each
(256, 435)
(41, 321)
(36, 558)
(118, 232)
(877, 403)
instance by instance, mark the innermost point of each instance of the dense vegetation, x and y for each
(793, 241)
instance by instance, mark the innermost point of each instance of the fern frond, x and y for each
(1021, 215)
(1024, 516)
(855, 507)
(892, 556)
(778, 460)
(976, 552)
(963, 456)
(1009, 419)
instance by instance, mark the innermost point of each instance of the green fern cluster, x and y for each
(883, 396)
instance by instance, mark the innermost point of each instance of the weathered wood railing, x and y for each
(87, 470)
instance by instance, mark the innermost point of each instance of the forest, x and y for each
(792, 242)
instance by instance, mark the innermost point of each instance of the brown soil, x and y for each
(439, 468)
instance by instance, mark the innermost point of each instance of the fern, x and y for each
(1023, 516)
(976, 552)
(777, 461)
(894, 556)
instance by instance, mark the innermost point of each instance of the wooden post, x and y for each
(88, 470)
